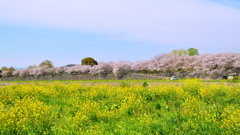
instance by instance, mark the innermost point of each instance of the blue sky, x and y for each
(67, 31)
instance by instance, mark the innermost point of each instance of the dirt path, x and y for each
(137, 83)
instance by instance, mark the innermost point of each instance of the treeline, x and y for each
(220, 63)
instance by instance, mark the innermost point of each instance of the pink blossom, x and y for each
(85, 69)
(122, 67)
(102, 67)
(4, 73)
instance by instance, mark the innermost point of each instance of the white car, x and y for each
(174, 78)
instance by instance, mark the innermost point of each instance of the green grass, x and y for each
(114, 81)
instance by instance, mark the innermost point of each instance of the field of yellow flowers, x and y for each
(189, 107)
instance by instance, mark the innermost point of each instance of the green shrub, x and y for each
(124, 84)
(145, 84)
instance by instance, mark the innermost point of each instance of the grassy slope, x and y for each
(113, 81)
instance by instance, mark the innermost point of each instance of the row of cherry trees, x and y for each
(221, 63)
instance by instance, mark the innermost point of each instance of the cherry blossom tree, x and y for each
(102, 67)
(68, 70)
(40, 70)
(16, 72)
(85, 69)
(5, 73)
(58, 70)
(141, 65)
(220, 63)
(50, 71)
(122, 67)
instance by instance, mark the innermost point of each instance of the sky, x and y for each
(65, 32)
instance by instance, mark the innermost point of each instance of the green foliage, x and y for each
(46, 63)
(158, 106)
(10, 70)
(117, 81)
(124, 84)
(191, 69)
(192, 51)
(182, 52)
(143, 71)
(169, 71)
(181, 70)
(4, 68)
(145, 84)
(34, 66)
(179, 52)
(89, 61)
(128, 79)
(147, 71)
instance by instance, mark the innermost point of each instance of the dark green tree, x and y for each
(89, 61)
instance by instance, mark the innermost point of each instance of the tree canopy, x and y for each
(179, 52)
(46, 63)
(89, 61)
(4, 68)
(9, 71)
(192, 51)
(183, 52)
(34, 66)
(220, 63)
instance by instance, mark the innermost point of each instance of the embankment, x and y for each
(113, 76)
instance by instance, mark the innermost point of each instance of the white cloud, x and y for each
(180, 23)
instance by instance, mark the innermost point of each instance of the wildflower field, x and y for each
(187, 107)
